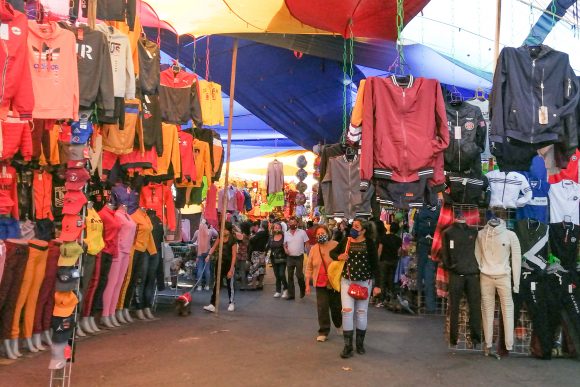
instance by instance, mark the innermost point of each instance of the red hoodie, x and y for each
(15, 84)
(157, 197)
(188, 171)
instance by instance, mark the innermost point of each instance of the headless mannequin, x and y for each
(105, 317)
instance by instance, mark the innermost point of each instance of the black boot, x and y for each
(347, 351)
(360, 341)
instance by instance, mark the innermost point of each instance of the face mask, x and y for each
(354, 233)
(293, 227)
(322, 238)
(278, 232)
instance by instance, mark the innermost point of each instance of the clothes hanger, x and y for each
(454, 97)
(176, 68)
(479, 95)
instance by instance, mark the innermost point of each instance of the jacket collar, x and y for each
(396, 83)
(544, 50)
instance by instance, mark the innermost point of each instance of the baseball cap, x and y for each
(120, 195)
(82, 129)
(71, 227)
(69, 253)
(76, 163)
(73, 202)
(67, 279)
(64, 304)
(76, 178)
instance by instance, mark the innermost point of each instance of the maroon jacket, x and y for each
(404, 131)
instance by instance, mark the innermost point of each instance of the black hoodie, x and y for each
(458, 250)
(526, 78)
(466, 139)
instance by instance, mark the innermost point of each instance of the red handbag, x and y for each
(358, 292)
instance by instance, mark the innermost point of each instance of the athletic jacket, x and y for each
(564, 243)
(8, 192)
(404, 130)
(498, 252)
(538, 207)
(152, 125)
(119, 140)
(158, 197)
(179, 97)
(533, 237)
(522, 84)
(188, 171)
(94, 68)
(426, 221)
(110, 10)
(568, 173)
(121, 61)
(458, 250)
(467, 131)
(53, 66)
(216, 149)
(149, 66)
(16, 84)
(143, 238)
(467, 188)
(506, 189)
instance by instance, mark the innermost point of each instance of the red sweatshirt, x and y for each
(210, 210)
(404, 130)
(15, 84)
(188, 172)
(110, 230)
(16, 136)
(157, 196)
(8, 194)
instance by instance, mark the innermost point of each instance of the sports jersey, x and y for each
(212, 109)
(537, 208)
(564, 202)
(533, 237)
(564, 243)
(506, 189)
(188, 170)
(94, 238)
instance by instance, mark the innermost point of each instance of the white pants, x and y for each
(503, 285)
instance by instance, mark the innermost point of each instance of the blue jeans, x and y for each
(426, 269)
(361, 307)
(203, 269)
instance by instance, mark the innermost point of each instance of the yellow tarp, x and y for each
(207, 17)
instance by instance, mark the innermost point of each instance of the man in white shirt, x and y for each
(295, 243)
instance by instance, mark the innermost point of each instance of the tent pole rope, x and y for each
(497, 33)
(227, 177)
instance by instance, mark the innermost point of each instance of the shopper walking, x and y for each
(230, 249)
(360, 270)
(202, 264)
(243, 248)
(327, 299)
(257, 255)
(295, 244)
(279, 259)
(389, 251)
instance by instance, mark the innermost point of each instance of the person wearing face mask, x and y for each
(327, 299)
(278, 258)
(361, 268)
(295, 245)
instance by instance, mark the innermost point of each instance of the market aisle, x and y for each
(269, 342)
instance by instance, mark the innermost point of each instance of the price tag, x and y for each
(543, 115)
(457, 132)
(4, 31)
(451, 244)
(532, 286)
(570, 289)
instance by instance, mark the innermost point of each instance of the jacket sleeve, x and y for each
(339, 249)
(26, 142)
(445, 253)
(131, 11)
(516, 253)
(23, 100)
(169, 208)
(367, 136)
(130, 72)
(106, 96)
(480, 134)
(496, 102)
(526, 191)
(356, 117)
(485, 193)
(373, 261)
(478, 251)
(568, 111)
(441, 142)
(207, 165)
(309, 266)
(195, 107)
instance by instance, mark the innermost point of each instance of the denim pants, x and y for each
(426, 269)
(280, 274)
(145, 274)
(203, 269)
(358, 309)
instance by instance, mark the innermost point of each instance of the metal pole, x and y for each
(226, 183)
(497, 33)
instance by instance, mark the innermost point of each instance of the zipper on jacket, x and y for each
(403, 129)
(459, 146)
(569, 88)
(503, 193)
(533, 101)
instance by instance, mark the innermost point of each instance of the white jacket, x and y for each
(493, 248)
(506, 189)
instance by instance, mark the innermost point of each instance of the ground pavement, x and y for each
(271, 342)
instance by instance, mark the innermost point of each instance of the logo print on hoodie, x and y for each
(45, 58)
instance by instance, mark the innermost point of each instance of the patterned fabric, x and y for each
(357, 267)
(257, 265)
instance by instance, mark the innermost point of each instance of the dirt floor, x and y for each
(271, 342)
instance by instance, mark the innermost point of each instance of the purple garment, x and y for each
(120, 195)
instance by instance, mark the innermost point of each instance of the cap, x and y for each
(82, 129)
(69, 253)
(64, 304)
(71, 227)
(75, 164)
(67, 279)
(73, 152)
(76, 178)
(73, 202)
(120, 194)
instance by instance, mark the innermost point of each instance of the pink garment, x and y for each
(120, 263)
(210, 211)
(202, 239)
(240, 201)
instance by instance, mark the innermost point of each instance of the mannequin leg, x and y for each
(37, 341)
(38, 252)
(79, 331)
(8, 350)
(487, 307)
(473, 291)
(119, 315)
(140, 277)
(45, 302)
(108, 294)
(114, 321)
(86, 325)
(149, 287)
(507, 309)
(127, 315)
(89, 266)
(122, 270)
(47, 337)
(31, 347)
(106, 321)
(128, 282)
(15, 347)
(105, 269)
(93, 324)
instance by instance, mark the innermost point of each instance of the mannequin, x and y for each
(110, 236)
(120, 263)
(498, 255)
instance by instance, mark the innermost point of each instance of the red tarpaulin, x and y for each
(371, 18)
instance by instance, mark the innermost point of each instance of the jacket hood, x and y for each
(6, 12)
(45, 32)
(493, 231)
(543, 50)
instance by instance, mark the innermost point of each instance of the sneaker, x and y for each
(206, 288)
(285, 294)
(199, 289)
(379, 305)
(231, 307)
(321, 338)
(277, 295)
(209, 308)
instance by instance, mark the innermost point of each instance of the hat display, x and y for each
(82, 129)
(67, 279)
(69, 253)
(72, 226)
(76, 178)
(64, 304)
(73, 202)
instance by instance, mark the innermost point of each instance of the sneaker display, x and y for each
(231, 307)
(321, 338)
(209, 308)
(277, 295)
